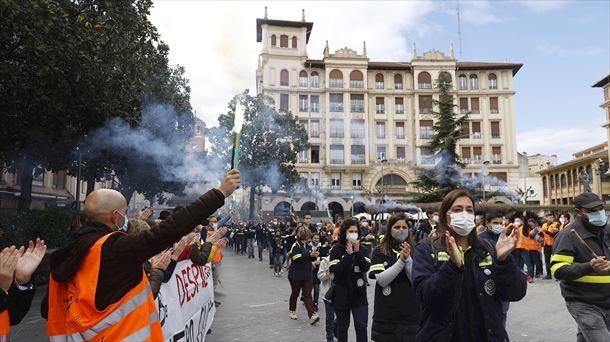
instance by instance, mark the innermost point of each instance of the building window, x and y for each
(477, 155)
(314, 129)
(474, 105)
(284, 78)
(379, 105)
(398, 82)
(284, 102)
(475, 133)
(336, 154)
(357, 103)
(495, 130)
(336, 128)
(496, 152)
(400, 153)
(294, 42)
(379, 81)
(315, 79)
(336, 102)
(380, 130)
(284, 41)
(493, 105)
(501, 176)
(336, 79)
(545, 187)
(399, 104)
(357, 129)
(315, 154)
(464, 105)
(356, 181)
(335, 180)
(474, 82)
(303, 176)
(315, 103)
(424, 80)
(493, 81)
(315, 180)
(425, 104)
(303, 124)
(425, 129)
(400, 130)
(303, 101)
(356, 80)
(303, 78)
(358, 157)
(444, 77)
(466, 155)
(303, 156)
(427, 157)
(463, 82)
(381, 155)
(273, 40)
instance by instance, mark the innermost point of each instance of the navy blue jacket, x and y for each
(439, 285)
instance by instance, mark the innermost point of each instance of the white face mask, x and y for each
(462, 223)
(562, 220)
(435, 218)
(518, 223)
(351, 236)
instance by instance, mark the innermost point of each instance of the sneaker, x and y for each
(314, 319)
(217, 303)
(531, 280)
(548, 277)
(293, 315)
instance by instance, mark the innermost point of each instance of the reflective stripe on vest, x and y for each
(548, 239)
(526, 243)
(5, 325)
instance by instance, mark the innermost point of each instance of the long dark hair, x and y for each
(344, 227)
(446, 205)
(386, 245)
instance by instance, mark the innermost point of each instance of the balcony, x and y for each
(380, 109)
(357, 106)
(494, 111)
(336, 107)
(378, 85)
(337, 161)
(358, 159)
(380, 136)
(303, 108)
(336, 83)
(427, 160)
(356, 84)
(475, 135)
(497, 161)
(398, 86)
(315, 83)
(336, 133)
(401, 160)
(463, 110)
(495, 136)
(475, 111)
(314, 134)
(315, 107)
(400, 109)
(400, 136)
(476, 160)
(466, 161)
(356, 187)
(303, 160)
(425, 135)
(303, 82)
(357, 133)
(424, 85)
(425, 110)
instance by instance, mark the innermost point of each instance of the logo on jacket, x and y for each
(386, 291)
(490, 287)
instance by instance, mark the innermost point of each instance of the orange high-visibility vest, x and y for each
(5, 325)
(547, 229)
(217, 257)
(74, 317)
(525, 242)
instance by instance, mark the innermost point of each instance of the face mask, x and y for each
(562, 220)
(125, 224)
(549, 219)
(400, 234)
(215, 225)
(518, 223)
(365, 224)
(435, 218)
(598, 218)
(351, 236)
(496, 229)
(462, 223)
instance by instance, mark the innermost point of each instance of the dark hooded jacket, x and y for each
(122, 255)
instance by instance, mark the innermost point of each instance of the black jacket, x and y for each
(440, 286)
(570, 264)
(300, 267)
(17, 302)
(349, 273)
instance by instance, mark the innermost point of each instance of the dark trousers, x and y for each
(593, 322)
(260, 244)
(330, 321)
(277, 262)
(360, 315)
(537, 261)
(527, 260)
(548, 250)
(297, 286)
(316, 293)
(250, 244)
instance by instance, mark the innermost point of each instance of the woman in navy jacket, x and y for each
(462, 280)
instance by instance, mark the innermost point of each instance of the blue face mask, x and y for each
(598, 218)
(496, 229)
(400, 234)
(124, 227)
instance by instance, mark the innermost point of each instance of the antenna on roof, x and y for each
(265, 12)
(457, 10)
(303, 14)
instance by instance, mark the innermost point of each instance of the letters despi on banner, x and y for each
(186, 303)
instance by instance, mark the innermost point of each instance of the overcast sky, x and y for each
(564, 46)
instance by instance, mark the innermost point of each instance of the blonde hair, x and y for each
(303, 234)
(136, 226)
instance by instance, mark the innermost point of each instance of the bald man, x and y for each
(122, 255)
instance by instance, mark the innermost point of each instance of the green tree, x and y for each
(270, 142)
(432, 184)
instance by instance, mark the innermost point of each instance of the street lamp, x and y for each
(485, 173)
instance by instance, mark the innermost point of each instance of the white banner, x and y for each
(186, 303)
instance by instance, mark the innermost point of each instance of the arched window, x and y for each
(336, 79)
(379, 81)
(284, 78)
(545, 187)
(303, 78)
(552, 181)
(356, 80)
(273, 40)
(463, 82)
(493, 81)
(564, 182)
(398, 81)
(557, 182)
(284, 41)
(424, 80)
(294, 42)
(569, 178)
(474, 82)
(444, 77)
(392, 180)
(575, 177)
(315, 79)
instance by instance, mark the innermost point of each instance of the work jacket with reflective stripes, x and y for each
(570, 264)
(549, 231)
(73, 315)
(300, 267)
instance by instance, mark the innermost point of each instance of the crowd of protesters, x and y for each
(448, 277)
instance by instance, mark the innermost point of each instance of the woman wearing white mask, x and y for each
(396, 315)
(461, 280)
(349, 264)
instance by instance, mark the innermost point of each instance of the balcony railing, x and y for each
(495, 136)
(303, 108)
(303, 82)
(337, 161)
(426, 135)
(336, 107)
(336, 83)
(358, 159)
(356, 187)
(314, 134)
(424, 85)
(398, 86)
(380, 109)
(497, 161)
(463, 110)
(303, 160)
(400, 109)
(380, 136)
(427, 160)
(378, 85)
(336, 133)
(475, 111)
(315, 83)
(475, 135)
(357, 106)
(356, 84)
(476, 160)
(315, 107)
(494, 111)
(357, 133)
(400, 136)
(425, 110)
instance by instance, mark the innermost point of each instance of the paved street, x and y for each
(255, 308)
